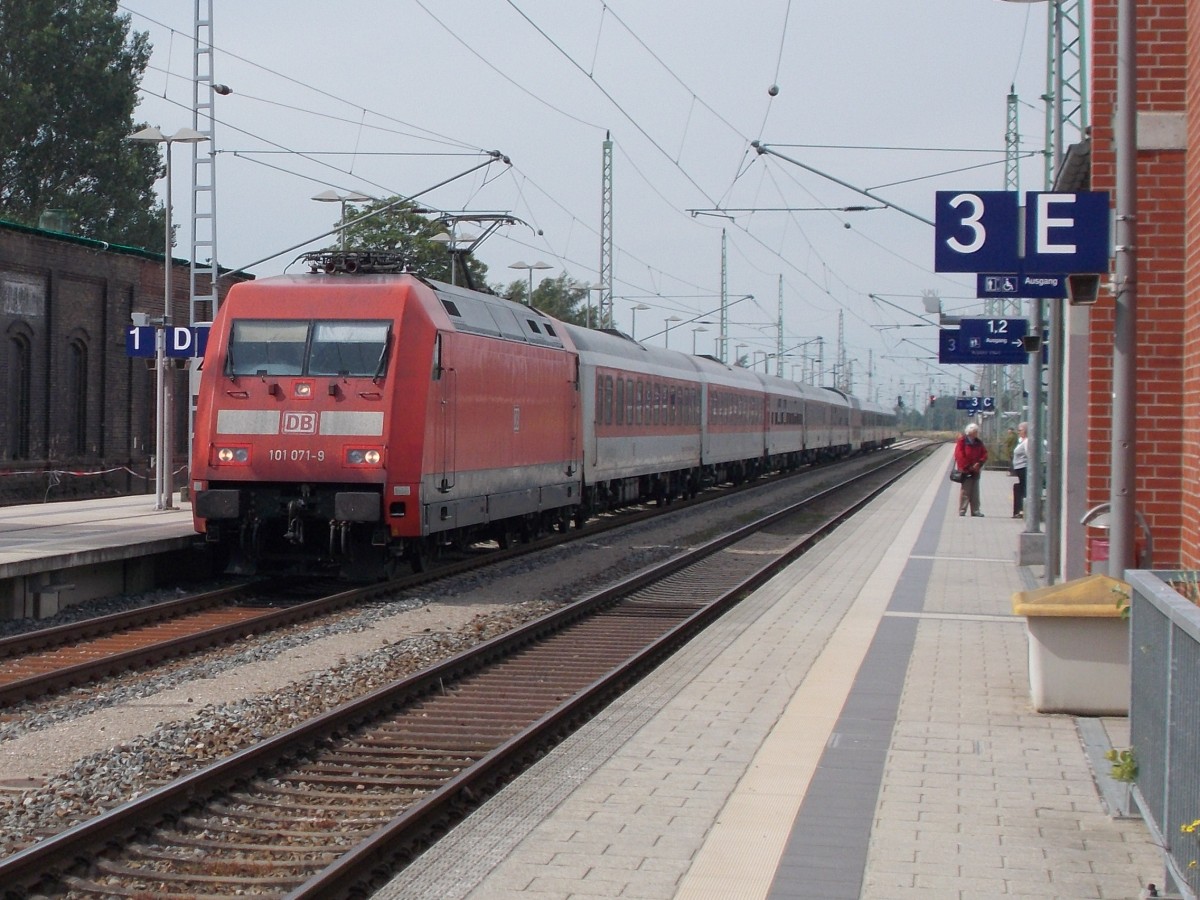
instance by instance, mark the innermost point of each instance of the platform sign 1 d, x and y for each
(139, 341)
(182, 342)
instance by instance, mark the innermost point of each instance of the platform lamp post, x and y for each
(530, 266)
(633, 319)
(588, 288)
(667, 330)
(696, 331)
(164, 489)
(458, 246)
(342, 199)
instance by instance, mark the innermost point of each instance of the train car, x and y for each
(641, 420)
(838, 434)
(735, 412)
(875, 425)
(352, 421)
(800, 424)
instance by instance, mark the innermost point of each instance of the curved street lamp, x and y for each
(530, 266)
(667, 330)
(457, 245)
(633, 320)
(342, 199)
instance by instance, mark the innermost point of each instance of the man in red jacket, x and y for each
(969, 456)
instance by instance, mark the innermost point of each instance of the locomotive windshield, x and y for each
(348, 348)
(290, 347)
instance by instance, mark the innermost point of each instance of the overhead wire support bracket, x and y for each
(762, 148)
(726, 212)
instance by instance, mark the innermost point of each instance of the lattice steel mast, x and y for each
(204, 170)
(605, 303)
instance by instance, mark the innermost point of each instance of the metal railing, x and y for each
(1164, 718)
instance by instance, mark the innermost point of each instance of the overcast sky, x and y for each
(394, 97)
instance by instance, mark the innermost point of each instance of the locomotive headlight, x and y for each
(363, 457)
(303, 389)
(232, 456)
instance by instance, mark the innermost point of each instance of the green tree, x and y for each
(69, 75)
(402, 229)
(563, 297)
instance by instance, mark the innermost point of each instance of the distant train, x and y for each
(361, 420)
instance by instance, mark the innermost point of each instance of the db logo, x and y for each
(299, 423)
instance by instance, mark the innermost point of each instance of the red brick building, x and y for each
(1168, 277)
(77, 418)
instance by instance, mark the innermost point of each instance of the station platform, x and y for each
(57, 554)
(860, 727)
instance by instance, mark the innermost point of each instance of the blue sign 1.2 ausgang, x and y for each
(990, 342)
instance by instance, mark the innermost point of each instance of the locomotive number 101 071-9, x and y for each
(296, 455)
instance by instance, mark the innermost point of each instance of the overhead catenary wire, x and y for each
(695, 100)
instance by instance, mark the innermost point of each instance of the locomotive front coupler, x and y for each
(295, 527)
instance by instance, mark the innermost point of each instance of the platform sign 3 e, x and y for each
(976, 231)
(979, 231)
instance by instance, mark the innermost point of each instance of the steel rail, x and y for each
(39, 684)
(28, 866)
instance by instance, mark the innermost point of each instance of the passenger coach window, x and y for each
(269, 348)
(348, 348)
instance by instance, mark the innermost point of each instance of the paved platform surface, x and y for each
(860, 727)
(39, 537)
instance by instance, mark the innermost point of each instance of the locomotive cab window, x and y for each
(267, 348)
(334, 348)
(348, 348)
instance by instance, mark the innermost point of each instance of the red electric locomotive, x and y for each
(359, 417)
(354, 421)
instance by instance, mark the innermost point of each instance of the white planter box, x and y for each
(1078, 647)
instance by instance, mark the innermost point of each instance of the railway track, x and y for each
(340, 799)
(56, 659)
